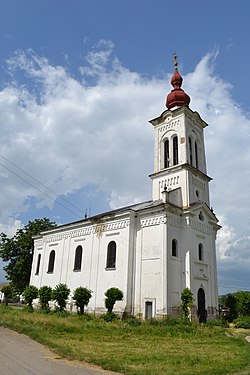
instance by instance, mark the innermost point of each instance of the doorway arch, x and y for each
(202, 313)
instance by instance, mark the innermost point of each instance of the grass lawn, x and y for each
(146, 349)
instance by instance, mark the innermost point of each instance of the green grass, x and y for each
(136, 349)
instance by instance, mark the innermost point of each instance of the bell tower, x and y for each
(180, 175)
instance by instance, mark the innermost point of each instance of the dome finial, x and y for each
(177, 97)
(175, 61)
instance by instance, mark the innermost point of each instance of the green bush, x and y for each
(187, 301)
(8, 292)
(242, 322)
(60, 294)
(134, 322)
(109, 317)
(82, 296)
(30, 293)
(45, 295)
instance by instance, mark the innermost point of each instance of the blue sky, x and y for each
(78, 76)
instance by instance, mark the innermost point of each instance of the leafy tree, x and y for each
(45, 295)
(230, 301)
(60, 294)
(112, 295)
(82, 296)
(7, 290)
(30, 293)
(243, 303)
(187, 301)
(18, 252)
(238, 303)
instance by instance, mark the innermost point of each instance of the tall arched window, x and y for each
(78, 258)
(166, 153)
(111, 255)
(196, 155)
(200, 251)
(175, 150)
(174, 248)
(51, 261)
(190, 151)
(38, 264)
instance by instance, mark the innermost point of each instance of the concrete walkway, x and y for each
(19, 355)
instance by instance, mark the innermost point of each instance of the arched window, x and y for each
(190, 151)
(166, 153)
(51, 261)
(174, 248)
(196, 155)
(78, 258)
(38, 264)
(111, 255)
(200, 252)
(175, 150)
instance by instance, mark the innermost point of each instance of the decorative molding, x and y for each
(97, 229)
(175, 221)
(153, 221)
(171, 126)
(170, 181)
(112, 234)
(200, 227)
(79, 239)
(198, 183)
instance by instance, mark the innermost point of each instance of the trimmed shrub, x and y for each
(60, 294)
(30, 293)
(45, 295)
(112, 295)
(81, 297)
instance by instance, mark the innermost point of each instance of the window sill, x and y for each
(50, 272)
(110, 269)
(77, 270)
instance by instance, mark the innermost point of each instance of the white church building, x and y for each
(150, 250)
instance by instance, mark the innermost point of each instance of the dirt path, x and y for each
(19, 355)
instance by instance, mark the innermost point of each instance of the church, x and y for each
(151, 250)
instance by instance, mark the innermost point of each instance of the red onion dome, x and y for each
(177, 97)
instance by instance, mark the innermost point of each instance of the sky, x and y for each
(79, 81)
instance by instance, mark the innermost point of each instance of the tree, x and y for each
(230, 301)
(112, 295)
(18, 252)
(238, 303)
(243, 303)
(187, 301)
(82, 296)
(7, 290)
(60, 294)
(45, 295)
(30, 293)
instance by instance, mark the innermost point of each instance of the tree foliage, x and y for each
(112, 295)
(30, 293)
(238, 304)
(82, 296)
(18, 250)
(187, 301)
(45, 295)
(60, 294)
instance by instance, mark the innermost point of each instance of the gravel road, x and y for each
(19, 355)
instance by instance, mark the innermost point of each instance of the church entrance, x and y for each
(202, 313)
(148, 310)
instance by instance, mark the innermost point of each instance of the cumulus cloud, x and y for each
(70, 132)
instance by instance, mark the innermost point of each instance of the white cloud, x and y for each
(69, 133)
